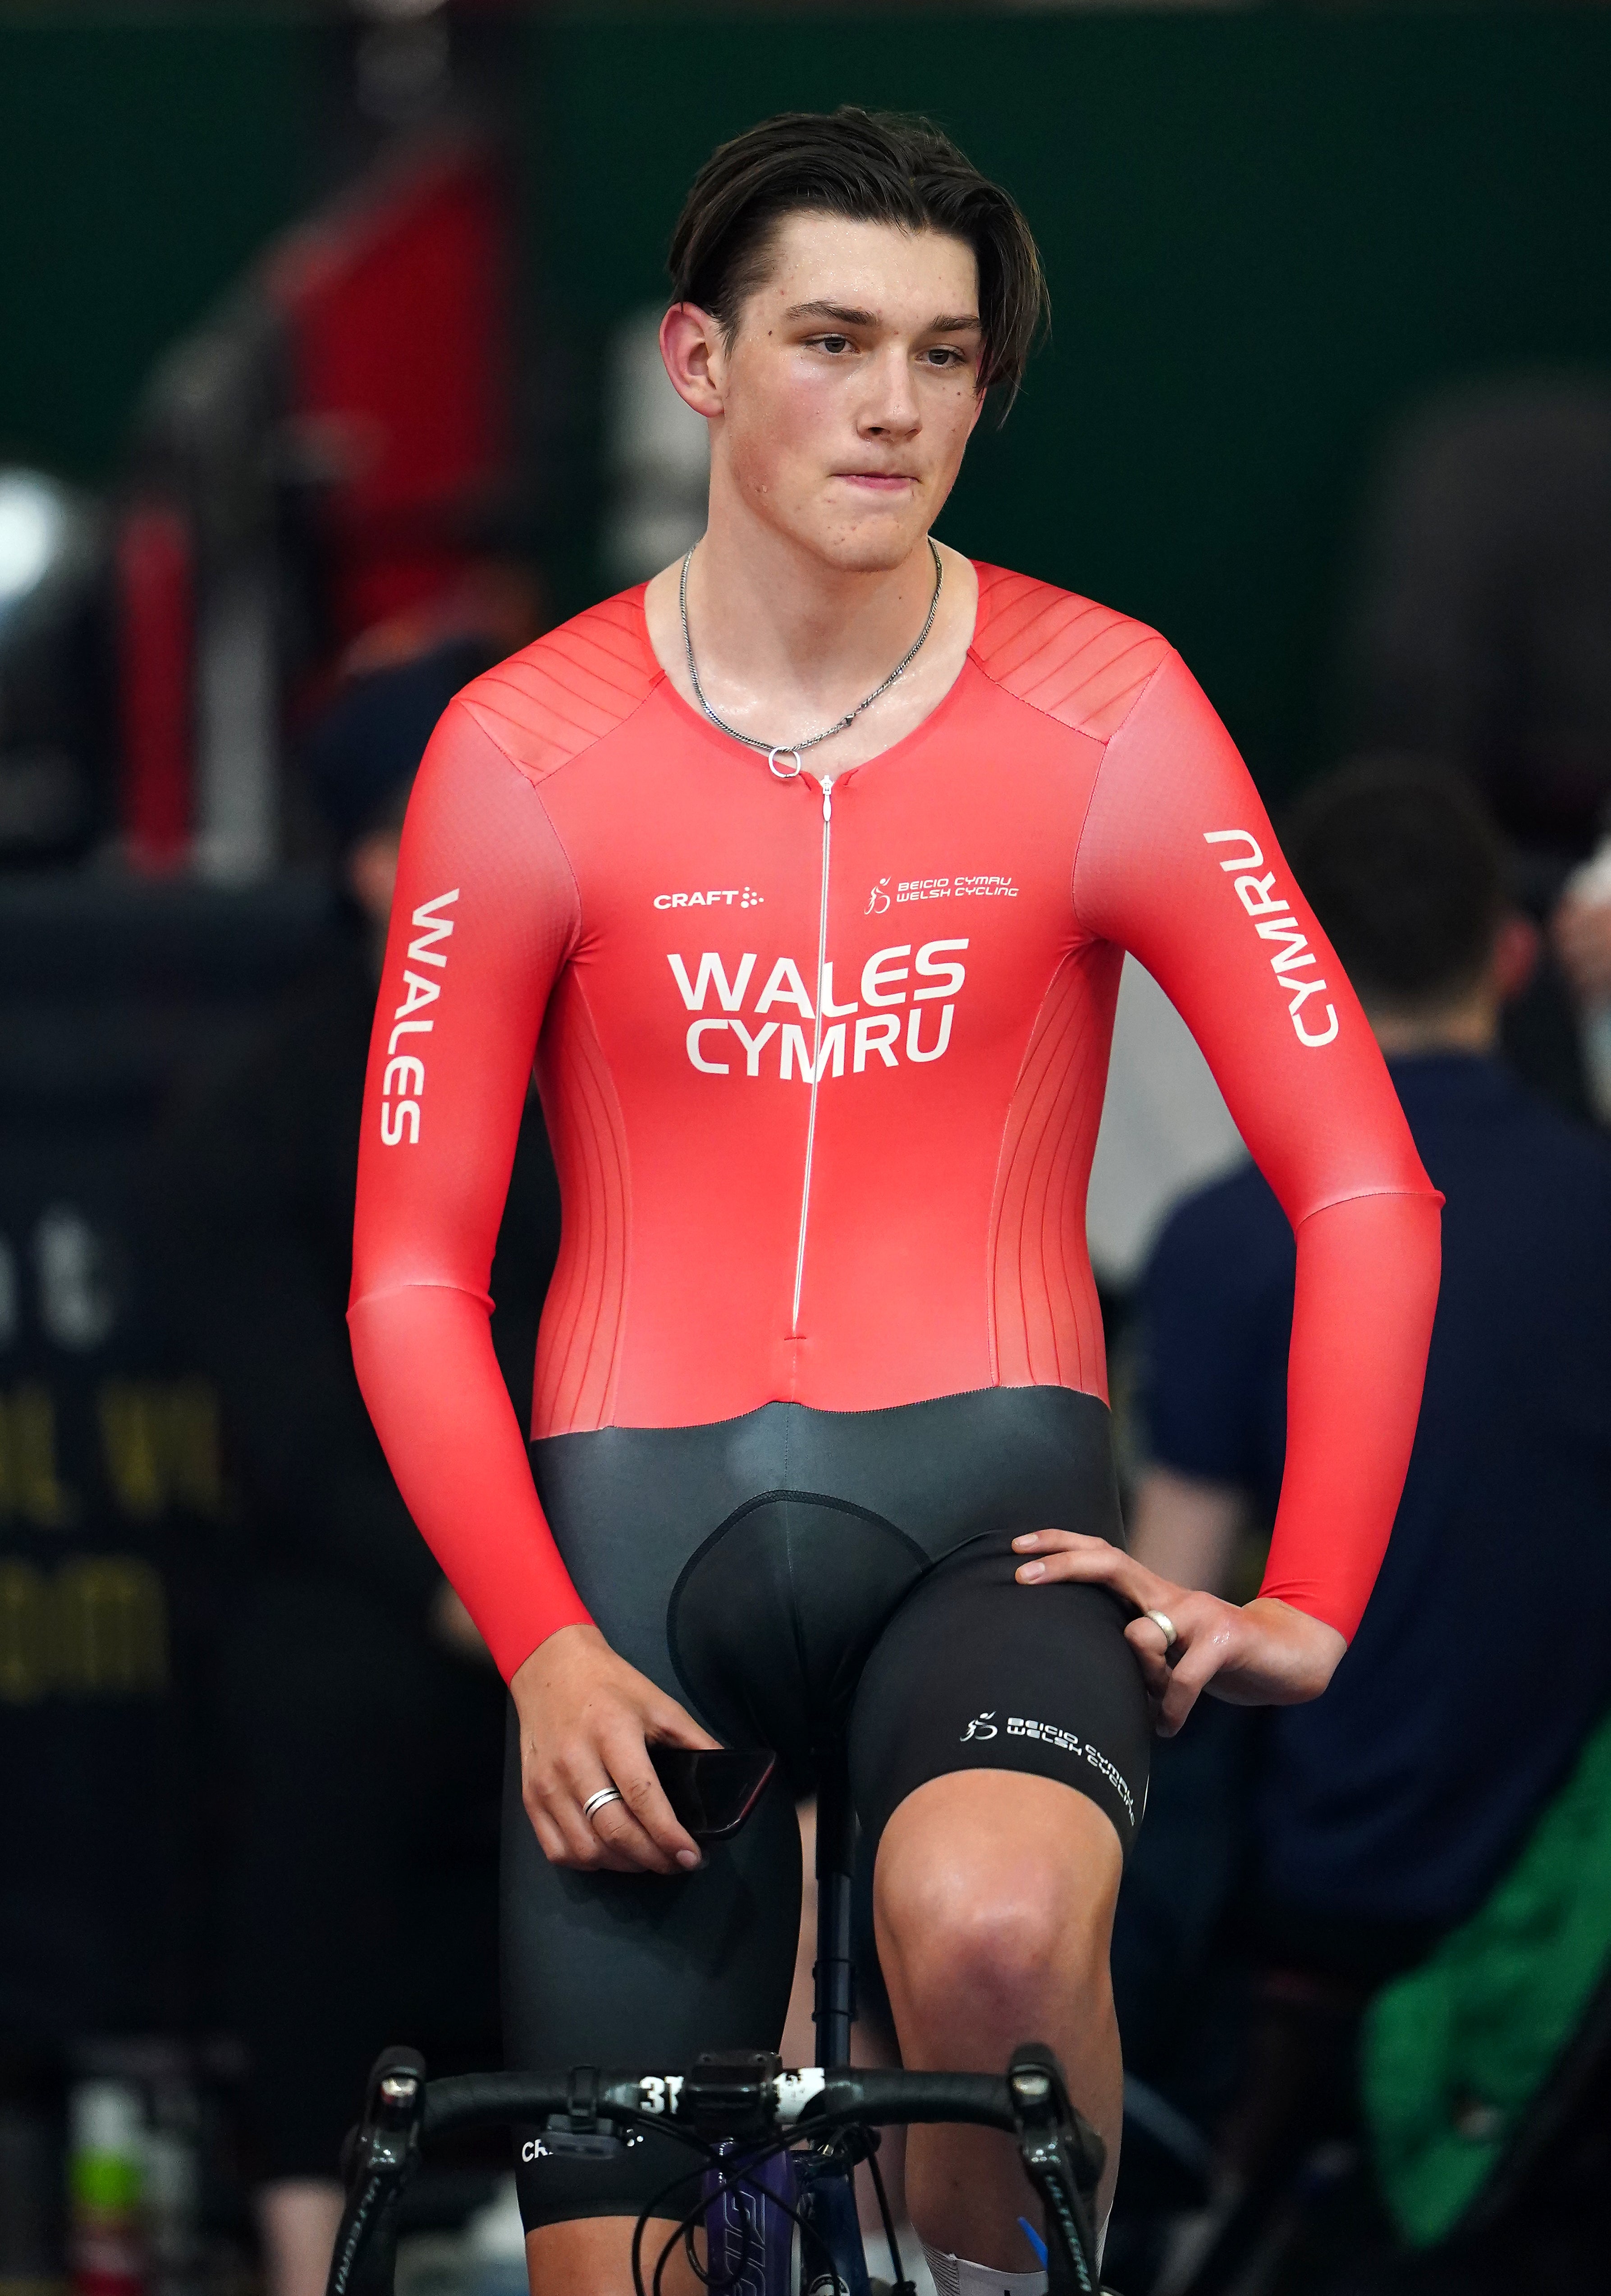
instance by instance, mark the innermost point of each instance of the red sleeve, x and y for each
(485, 909)
(1178, 863)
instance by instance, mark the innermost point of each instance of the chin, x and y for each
(876, 548)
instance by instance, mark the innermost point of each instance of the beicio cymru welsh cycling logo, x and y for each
(812, 1044)
(1273, 919)
(406, 1071)
(722, 896)
(1044, 1734)
(981, 886)
(984, 1728)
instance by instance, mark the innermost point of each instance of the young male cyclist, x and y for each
(805, 874)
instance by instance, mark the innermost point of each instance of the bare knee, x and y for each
(981, 1926)
(965, 1950)
(991, 1948)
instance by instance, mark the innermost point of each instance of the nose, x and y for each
(889, 408)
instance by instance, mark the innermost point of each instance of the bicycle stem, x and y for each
(834, 2010)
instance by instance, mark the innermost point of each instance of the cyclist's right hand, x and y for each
(585, 1719)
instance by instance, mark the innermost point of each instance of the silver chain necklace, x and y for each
(772, 751)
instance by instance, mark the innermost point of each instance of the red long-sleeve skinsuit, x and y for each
(821, 1070)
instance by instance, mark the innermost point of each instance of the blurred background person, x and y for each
(1482, 637)
(1383, 1815)
(363, 1720)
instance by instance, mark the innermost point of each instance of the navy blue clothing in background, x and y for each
(1484, 1657)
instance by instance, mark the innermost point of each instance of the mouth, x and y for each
(878, 482)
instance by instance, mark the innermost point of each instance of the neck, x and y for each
(769, 614)
(788, 643)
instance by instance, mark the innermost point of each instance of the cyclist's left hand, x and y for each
(1259, 1653)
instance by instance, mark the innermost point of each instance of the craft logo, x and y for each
(722, 896)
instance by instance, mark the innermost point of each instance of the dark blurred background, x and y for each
(1270, 233)
(325, 376)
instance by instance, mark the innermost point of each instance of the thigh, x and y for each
(975, 1671)
(646, 1970)
(616, 1969)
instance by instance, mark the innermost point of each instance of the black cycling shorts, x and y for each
(804, 1581)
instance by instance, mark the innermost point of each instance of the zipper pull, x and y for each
(827, 797)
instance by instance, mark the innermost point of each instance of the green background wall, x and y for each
(1267, 233)
(141, 164)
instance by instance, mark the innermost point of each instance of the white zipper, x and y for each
(822, 956)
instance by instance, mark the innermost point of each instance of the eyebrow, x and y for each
(948, 324)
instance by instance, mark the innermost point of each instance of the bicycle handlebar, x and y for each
(802, 2101)
(743, 2098)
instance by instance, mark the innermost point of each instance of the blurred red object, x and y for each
(321, 458)
(396, 303)
(156, 627)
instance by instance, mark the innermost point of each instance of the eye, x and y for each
(945, 355)
(834, 343)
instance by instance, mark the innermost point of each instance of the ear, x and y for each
(691, 345)
(1516, 953)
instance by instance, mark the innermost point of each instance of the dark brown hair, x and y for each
(872, 166)
(1406, 872)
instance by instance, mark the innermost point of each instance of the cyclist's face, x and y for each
(842, 405)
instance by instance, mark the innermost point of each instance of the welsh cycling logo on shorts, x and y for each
(984, 1728)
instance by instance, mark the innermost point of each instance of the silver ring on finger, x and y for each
(596, 1801)
(1166, 1626)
